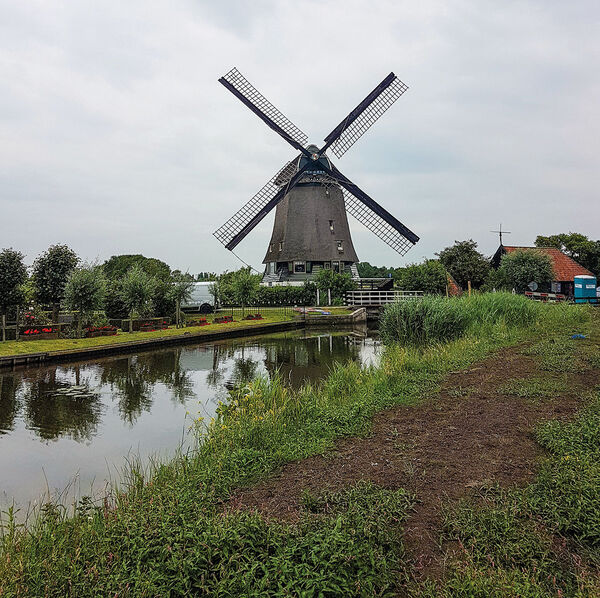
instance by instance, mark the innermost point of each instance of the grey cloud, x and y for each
(116, 136)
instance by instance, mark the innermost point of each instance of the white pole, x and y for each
(318, 298)
(329, 296)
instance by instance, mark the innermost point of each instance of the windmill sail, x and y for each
(373, 216)
(353, 127)
(246, 218)
(239, 86)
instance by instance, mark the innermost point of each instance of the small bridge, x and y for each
(375, 301)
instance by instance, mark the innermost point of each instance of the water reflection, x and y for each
(89, 415)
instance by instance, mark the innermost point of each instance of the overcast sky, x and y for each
(115, 136)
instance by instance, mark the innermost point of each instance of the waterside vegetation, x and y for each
(169, 530)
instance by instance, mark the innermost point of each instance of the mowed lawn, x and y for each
(9, 348)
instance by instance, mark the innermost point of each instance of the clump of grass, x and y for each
(566, 491)
(535, 387)
(558, 355)
(437, 319)
(499, 535)
(425, 320)
(491, 308)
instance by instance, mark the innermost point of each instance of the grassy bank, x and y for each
(9, 348)
(169, 532)
(544, 539)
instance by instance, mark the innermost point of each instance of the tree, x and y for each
(213, 289)
(136, 291)
(245, 286)
(85, 291)
(178, 274)
(51, 271)
(114, 306)
(180, 291)
(338, 283)
(429, 277)
(465, 263)
(118, 265)
(521, 267)
(577, 246)
(13, 275)
(163, 304)
(365, 270)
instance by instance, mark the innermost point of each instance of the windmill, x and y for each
(311, 195)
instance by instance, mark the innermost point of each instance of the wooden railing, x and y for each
(380, 297)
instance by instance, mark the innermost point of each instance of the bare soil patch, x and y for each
(467, 435)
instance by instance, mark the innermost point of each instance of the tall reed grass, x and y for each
(439, 319)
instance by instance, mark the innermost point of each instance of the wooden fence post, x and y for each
(469, 287)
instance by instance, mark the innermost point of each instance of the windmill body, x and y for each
(310, 231)
(311, 196)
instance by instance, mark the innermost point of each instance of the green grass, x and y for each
(438, 319)
(9, 348)
(536, 387)
(544, 539)
(166, 532)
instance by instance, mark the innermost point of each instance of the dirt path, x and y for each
(468, 435)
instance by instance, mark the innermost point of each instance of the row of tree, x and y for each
(124, 286)
(128, 286)
(241, 287)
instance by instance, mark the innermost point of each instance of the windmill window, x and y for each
(271, 248)
(299, 267)
(327, 265)
(331, 225)
(340, 246)
(280, 245)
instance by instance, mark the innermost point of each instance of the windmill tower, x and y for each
(311, 196)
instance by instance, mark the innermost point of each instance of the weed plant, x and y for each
(170, 532)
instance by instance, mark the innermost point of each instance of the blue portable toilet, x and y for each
(585, 289)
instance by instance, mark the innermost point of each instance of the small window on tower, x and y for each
(271, 248)
(280, 245)
(340, 246)
(331, 225)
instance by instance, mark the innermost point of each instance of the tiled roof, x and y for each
(565, 268)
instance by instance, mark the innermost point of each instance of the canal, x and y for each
(69, 429)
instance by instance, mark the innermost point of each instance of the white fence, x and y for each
(380, 297)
